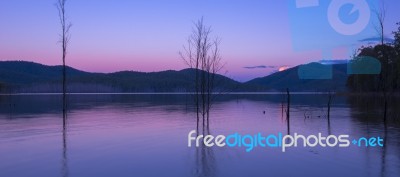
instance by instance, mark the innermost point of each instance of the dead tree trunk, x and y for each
(329, 105)
(64, 40)
(288, 110)
(202, 54)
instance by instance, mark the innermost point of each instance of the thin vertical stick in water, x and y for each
(288, 110)
(329, 112)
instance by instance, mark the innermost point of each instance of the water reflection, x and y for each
(146, 135)
(369, 111)
(205, 165)
(384, 150)
(64, 162)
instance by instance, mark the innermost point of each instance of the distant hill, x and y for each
(21, 76)
(30, 77)
(289, 79)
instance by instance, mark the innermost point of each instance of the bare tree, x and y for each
(288, 110)
(381, 15)
(202, 54)
(213, 66)
(64, 40)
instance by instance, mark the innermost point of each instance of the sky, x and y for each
(258, 37)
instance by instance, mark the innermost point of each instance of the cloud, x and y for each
(371, 40)
(259, 67)
(255, 67)
(331, 62)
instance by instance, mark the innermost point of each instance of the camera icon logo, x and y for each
(349, 29)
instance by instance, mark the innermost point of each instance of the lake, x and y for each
(146, 135)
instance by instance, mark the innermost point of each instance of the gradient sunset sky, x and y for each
(147, 35)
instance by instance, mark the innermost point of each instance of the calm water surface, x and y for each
(146, 135)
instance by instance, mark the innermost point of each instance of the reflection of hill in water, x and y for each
(36, 104)
(363, 108)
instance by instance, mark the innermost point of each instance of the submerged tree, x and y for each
(288, 110)
(381, 16)
(64, 40)
(202, 54)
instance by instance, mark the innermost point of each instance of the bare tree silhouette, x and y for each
(64, 40)
(381, 16)
(203, 54)
(65, 36)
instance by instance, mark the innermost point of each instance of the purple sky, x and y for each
(147, 35)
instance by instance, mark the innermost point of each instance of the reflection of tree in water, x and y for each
(64, 163)
(369, 110)
(384, 152)
(205, 160)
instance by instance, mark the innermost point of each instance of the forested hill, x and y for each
(29, 77)
(289, 79)
(21, 76)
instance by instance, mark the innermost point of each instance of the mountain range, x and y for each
(30, 77)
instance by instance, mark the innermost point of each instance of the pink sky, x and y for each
(109, 36)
